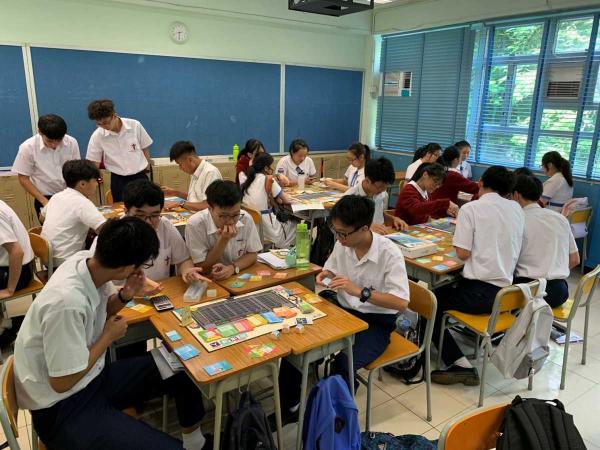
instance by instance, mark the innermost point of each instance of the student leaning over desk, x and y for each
(358, 155)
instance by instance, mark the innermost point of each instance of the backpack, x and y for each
(247, 428)
(377, 441)
(322, 245)
(282, 214)
(533, 424)
(524, 348)
(411, 327)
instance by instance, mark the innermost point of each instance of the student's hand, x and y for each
(344, 284)
(283, 180)
(400, 224)
(327, 181)
(324, 274)
(171, 205)
(115, 328)
(167, 190)
(227, 232)
(151, 287)
(193, 274)
(5, 293)
(453, 209)
(378, 228)
(221, 271)
(309, 180)
(134, 285)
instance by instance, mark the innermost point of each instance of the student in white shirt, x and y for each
(41, 157)
(255, 195)
(15, 253)
(357, 155)
(427, 153)
(549, 250)
(558, 189)
(122, 144)
(202, 174)
(70, 214)
(488, 238)
(379, 176)
(465, 168)
(61, 370)
(222, 238)
(297, 163)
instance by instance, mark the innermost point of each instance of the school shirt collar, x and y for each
(454, 169)
(361, 191)
(200, 169)
(491, 196)
(531, 206)
(42, 147)
(212, 228)
(124, 126)
(423, 193)
(84, 273)
(372, 254)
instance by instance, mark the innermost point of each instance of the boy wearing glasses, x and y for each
(222, 239)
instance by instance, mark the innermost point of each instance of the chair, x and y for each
(424, 303)
(43, 251)
(484, 326)
(565, 313)
(257, 219)
(582, 216)
(35, 230)
(476, 431)
(109, 197)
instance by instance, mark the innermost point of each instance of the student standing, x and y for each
(488, 238)
(558, 189)
(297, 163)
(202, 174)
(251, 151)
(427, 154)
(455, 182)
(61, 370)
(549, 250)
(357, 155)
(41, 157)
(122, 144)
(464, 167)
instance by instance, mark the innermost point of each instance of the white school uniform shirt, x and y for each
(286, 166)
(282, 235)
(43, 164)
(13, 230)
(201, 236)
(123, 151)
(381, 269)
(412, 168)
(465, 169)
(423, 193)
(557, 191)
(354, 176)
(68, 217)
(547, 243)
(491, 228)
(203, 176)
(380, 200)
(57, 333)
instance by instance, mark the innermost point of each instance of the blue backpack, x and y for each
(377, 441)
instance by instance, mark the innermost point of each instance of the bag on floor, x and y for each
(323, 244)
(247, 428)
(524, 348)
(377, 441)
(411, 327)
(533, 424)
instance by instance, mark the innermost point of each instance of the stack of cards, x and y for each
(257, 351)
(218, 367)
(186, 352)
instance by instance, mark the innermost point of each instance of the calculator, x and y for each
(162, 303)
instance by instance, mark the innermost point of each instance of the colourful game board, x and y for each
(314, 195)
(446, 224)
(445, 258)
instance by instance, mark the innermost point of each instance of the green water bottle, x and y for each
(302, 245)
(236, 151)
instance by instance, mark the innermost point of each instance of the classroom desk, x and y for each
(305, 276)
(178, 216)
(310, 215)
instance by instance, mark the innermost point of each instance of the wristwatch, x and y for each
(123, 300)
(236, 269)
(365, 295)
(182, 204)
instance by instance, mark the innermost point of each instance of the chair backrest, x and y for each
(253, 213)
(424, 303)
(109, 197)
(401, 185)
(42, 250)
(509, 299)
(476, 431)
(585, 289)
(35, 230)
(9, 409)
(583, 215)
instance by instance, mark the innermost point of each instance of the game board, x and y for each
(226, 322)
(314, 195)
(446, 224)
(445, 258)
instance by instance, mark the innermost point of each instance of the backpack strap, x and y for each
(528, 417)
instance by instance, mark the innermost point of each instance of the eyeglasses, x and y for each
(342, 234)
(233, 217)
(351, 160)
(148, 218)
(147, 265)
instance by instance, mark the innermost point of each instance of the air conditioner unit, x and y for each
(331, 7)
(564, 81)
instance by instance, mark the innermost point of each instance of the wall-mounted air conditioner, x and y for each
(564, 81)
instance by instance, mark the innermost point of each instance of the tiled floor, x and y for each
(400, 409)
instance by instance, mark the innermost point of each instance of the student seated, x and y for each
(222, 238)
(369, 280)
(255, 195)
(379, 176)
(426, 154)
(357, 155)
(488, 238)
(297, 163)
(464, 167)
(414, 205)
(70, 214)
(248, 154)
(41, 157)
(549, 250)
(454, 182)
(15, 253)
(202, 174)
(523, 171)
(62, 374)
(558, 189)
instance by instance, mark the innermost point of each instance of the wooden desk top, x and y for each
(327, 200)
(174, 288)
(293, 274)
(177, 216)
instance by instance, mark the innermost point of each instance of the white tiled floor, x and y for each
(400, 409)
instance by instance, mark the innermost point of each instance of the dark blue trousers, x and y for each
(92, 418)
(119, 182)
(557, 291)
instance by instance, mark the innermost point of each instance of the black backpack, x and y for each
(533, 424)
(370, 440)
(248, 428)
(412, 328)
(323, 244)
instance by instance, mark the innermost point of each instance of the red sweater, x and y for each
(454, 182)
(414, 209)
(242, 165)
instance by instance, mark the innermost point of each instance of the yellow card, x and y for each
(140, 307)
(256, 320)
(312, 298)
(437, 258)
(256, 278)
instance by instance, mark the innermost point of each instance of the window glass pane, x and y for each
(494, 106)
(573, 35)
(588, 120)
(581, 157)
(552, 143)
(558, 119)
(503, 148)
(522, 97)
(518, 40)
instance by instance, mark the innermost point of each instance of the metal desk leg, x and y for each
(350, 357)
(277, 401)
(302, 407)
(218, 414)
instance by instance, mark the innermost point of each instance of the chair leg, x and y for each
(428, 380)
(563, 374)
(165, 413)
(380, 375)
(585, 331)
(34, 439)
(441, 341)
(583, 254)
(477, 346)
(483, 370)
(369, 388)
(530, 378)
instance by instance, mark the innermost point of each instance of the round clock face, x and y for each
(178, 32)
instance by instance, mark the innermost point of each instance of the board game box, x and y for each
(412, 247)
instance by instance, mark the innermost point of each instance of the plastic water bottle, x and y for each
(302, 245)
(236, 151)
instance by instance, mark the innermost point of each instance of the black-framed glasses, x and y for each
(342, 234)
(232, 217)
(147, 265)
(148, 218)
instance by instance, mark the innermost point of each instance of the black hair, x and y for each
(296, 145)
(450, 154)
(52, 126)
(101, 109)
(432, 147)
(181, 148)
(380, 169)
(561, 164)
(529, 187)
(252, 146)
(223, 193)
(523, 171)
(434, 170)
(359, 149)
(499, 179)
(143, 192)
(353, 211)
(258, 166)
(77, 170)
(462, 144)
(127, 241)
